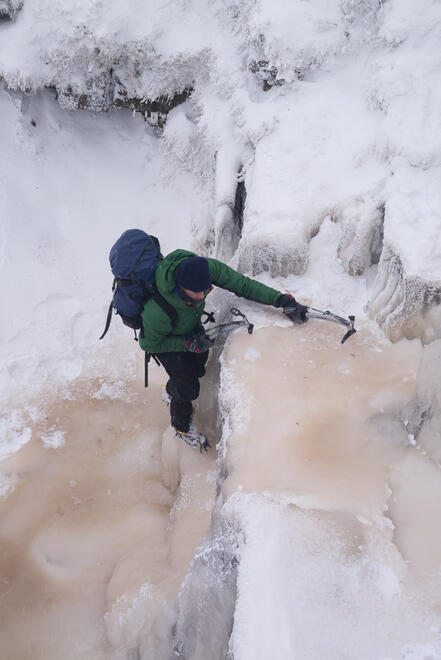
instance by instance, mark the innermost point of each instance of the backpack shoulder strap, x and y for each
(165, 306)
(109, 320)
(173, 316)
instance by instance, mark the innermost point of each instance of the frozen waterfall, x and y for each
(299, 142)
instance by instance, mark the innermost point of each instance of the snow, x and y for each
(310, 578)
(14, 434)
(324, 541)
(413, 212)
(251, 354)
(86, 186)
(354, 114)
(54, 439)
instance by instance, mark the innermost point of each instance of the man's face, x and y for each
(196, 297)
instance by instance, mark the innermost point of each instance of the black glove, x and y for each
(198, 342)
(292, 308)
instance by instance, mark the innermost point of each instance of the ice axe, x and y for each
(312, 313)
(231, 325)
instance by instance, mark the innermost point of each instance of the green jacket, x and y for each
(159, 335)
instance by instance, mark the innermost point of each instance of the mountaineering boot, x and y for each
(193, 438)
(166, 396)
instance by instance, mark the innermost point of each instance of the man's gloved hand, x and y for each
(198, 342)
(292, 308)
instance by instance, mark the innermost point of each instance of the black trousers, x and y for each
(184, 370)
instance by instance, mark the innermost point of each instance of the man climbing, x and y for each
(184, 280)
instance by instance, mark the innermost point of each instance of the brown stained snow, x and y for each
(94, 528)
(97, 534)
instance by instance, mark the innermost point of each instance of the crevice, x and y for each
(154, 111)
(415, 415)
(376, 246)
(229, 217)
(315, 229)
(207, 598)
(239, 205)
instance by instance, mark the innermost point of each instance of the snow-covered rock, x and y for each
(362, 234)
(408, 280)
(97, 50)
(9, 8)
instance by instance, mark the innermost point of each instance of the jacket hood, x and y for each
(166, 270)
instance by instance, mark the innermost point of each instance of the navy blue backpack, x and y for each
(133, 260)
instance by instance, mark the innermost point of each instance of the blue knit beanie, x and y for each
(193, 274)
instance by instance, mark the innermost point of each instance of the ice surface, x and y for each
(306, 587)
(95, 544)
(341, 552)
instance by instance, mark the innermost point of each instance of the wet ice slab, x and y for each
(337, 501)
(99, 528)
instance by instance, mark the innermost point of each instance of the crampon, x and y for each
(193, 438)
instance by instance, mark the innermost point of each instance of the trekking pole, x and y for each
(312, 313)
(221, 328)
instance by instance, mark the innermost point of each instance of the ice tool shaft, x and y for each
(329, 316)
(221, 328)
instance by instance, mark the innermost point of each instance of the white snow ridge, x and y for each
(300, 143)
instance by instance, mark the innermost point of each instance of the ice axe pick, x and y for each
(312, 313)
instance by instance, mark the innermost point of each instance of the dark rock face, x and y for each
(9, 9)
(103, 92)
(239, 205)
(266, 72)
(155, 111)
(97, 95)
